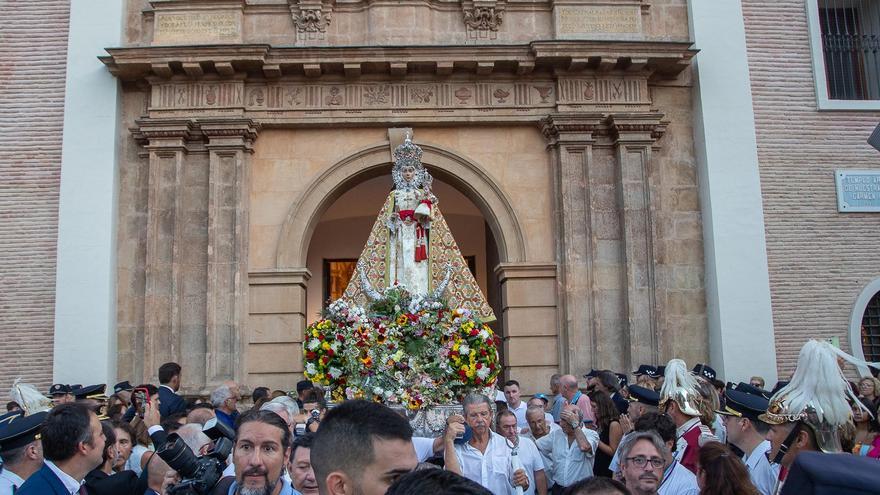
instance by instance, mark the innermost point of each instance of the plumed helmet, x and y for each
(680, 386)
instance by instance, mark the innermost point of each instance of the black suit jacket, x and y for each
(123, 483)
(170, 403)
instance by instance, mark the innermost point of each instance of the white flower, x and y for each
(379, 391)
(335, 372)
(484, 335)
(314, 344)
(396, 307)
(464, 350)
(310, 369)
(483, 372)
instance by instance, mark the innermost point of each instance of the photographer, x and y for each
(314, 408)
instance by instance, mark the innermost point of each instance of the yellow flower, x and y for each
(401, 319)
(325, 346)
(314, 332)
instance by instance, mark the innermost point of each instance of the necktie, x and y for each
(82, 490)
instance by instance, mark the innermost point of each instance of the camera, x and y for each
(198, 474)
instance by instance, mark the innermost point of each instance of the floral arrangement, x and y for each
(404, 349)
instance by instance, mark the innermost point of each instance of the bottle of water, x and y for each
(516, 464)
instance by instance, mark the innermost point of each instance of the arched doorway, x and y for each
(343, 228)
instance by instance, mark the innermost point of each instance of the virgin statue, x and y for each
(410, 245)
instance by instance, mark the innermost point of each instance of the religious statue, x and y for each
(410, 245)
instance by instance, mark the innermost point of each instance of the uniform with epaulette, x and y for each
(17, 431)
(746, 401)
(680, 387)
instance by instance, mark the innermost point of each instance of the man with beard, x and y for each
(643, 458)
(300, 465)
(262, 447)
(361, 448)
(485, 457)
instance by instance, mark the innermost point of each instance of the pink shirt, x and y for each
(585, 405)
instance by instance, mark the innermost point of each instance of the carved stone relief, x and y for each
(483, 19)
(311, 19)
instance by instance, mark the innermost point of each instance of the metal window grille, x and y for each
(851, 47)
(871, 329)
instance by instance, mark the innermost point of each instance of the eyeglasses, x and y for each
(642, 461)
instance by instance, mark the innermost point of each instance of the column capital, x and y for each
(236, 133)
(171, 134)
(636, 128)
(571, 127)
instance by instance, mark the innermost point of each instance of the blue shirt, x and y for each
(227, 419)
(556, 410)
(286, 488)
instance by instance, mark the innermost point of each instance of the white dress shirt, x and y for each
(570, 463)
(70, 484)
(9, 482)
(678, 480)
(531, 460)
(490, 469)
(761, 471)
(424, 448)
(520, 413)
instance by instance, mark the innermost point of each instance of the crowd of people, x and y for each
(673, 430)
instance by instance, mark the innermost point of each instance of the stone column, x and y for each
(633, 136)
(528, 316)
(277, 318)
(166, 143)
(571, 138)
(230, 146)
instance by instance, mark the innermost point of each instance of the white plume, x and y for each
(677, 379)
(27, 396)
(819, 382)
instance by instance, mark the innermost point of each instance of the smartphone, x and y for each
(140, 397)
(464, 437)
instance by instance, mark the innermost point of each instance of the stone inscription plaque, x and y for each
(196, 27)
(577, 21)
(858, 190)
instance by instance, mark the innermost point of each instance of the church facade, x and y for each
(599, 157)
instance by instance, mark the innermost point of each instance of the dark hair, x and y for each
(501, 414)
(259, 393)
(152, 389)
(659, 423)
(500, 405)
(872, 409)
(435, 482)
(509, 383)
(126, 427)
(12, 405)
(171, 423)
(344, 442)
(167, 372)
(109, 439)
(597, 485)
(609, 380)
(13, 456)
(312, 395)
(67, 426)
(267, 417)
(305, 441)
(606, 411)
(725, 472)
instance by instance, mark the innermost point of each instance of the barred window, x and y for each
(850, 38)
(871, 329)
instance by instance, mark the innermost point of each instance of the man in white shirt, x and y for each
(747, 432)
(485, 457)
(20, 449)
(572, 449)
(514, 403)
(526, 452)
(539, 427)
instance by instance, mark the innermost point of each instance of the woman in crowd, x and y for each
(866, 439)
(610, 431)
(721, 472)
(869, 389)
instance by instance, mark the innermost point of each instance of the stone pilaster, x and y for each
(166, 144)
(276, 319)
(571, 139)
(528, 314)
(230, 146)
(633, 137)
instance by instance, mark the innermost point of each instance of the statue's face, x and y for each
(408, 173)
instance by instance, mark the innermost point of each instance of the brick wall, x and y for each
(820, 260)
(33, 53)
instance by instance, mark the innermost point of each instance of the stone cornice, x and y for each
(660, 59)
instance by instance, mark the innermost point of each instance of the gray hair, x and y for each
(283, 403)
(193, 437)
(220, 395)
(474, 399)
(629, 441)
(535, 410)
(554, 380)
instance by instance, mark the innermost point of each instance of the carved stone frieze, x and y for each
(626, 91)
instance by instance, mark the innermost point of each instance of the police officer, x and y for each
(746, 432)
(20, 449)
(60, 394)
